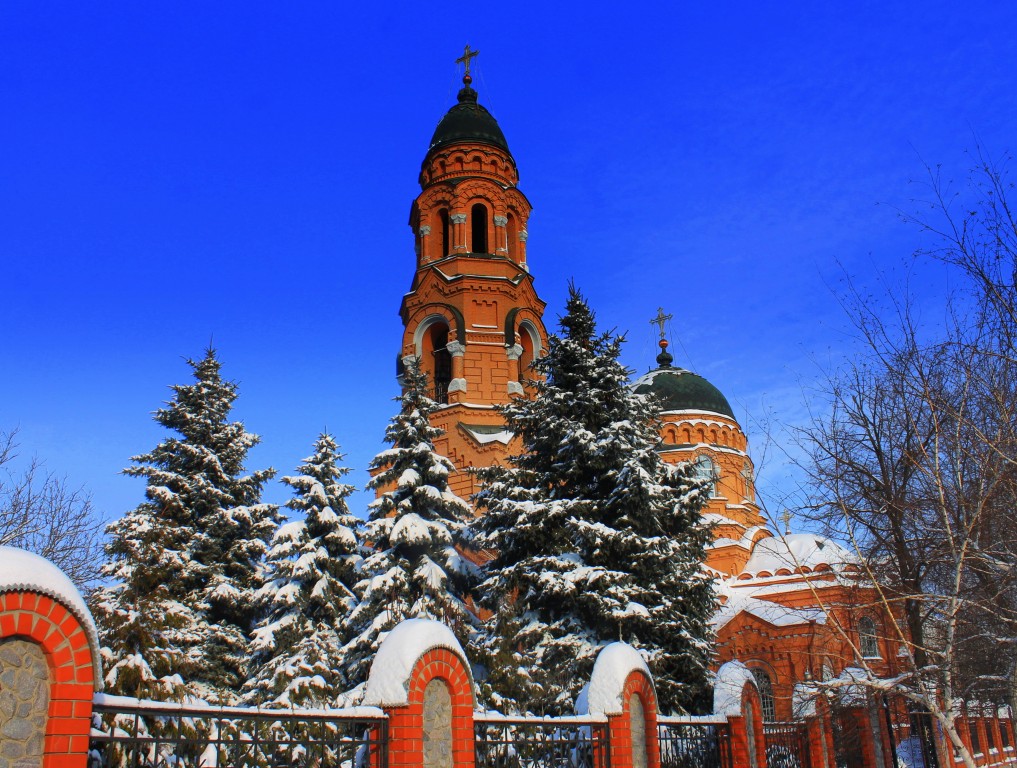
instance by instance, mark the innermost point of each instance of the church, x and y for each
(792, 608)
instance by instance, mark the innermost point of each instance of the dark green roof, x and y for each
(468, 121)
(680, 390)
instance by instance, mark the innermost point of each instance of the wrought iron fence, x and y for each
(787, 745)
(529, 742)
(158, 735)
(689, 744)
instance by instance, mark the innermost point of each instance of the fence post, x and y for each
(49, 657)
(621, 688)
(421, 678)
(736, 696)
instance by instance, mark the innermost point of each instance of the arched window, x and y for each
(530, 342)
(443, 246)
(705, 469)
(868, 643)
(478, 228)
(765, 686)
(435, 359)
(747, 477)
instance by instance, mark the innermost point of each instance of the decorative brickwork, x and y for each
(58, 634)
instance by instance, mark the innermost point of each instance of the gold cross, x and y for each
(660, 319)
(787, 522)
(466, 57)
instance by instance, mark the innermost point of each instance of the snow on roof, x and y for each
(796, 550)
(745, 542)
(484, 437)
(749, 601)
(389, 680)
(21, 570)
(727, 688)
(603, 694)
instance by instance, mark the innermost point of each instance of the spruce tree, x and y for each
(597, 538)
(188, 557)
(414, 570)
(307, 592)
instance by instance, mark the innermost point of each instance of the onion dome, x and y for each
(680, 390)
(467, 121)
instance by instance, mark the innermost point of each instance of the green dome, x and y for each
(680, 390)
(468, 121)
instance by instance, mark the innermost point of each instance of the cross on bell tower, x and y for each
(472, 316)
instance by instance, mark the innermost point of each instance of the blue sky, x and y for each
(178, 172)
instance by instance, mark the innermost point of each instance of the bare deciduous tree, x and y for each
(41, 513)
(913, 460)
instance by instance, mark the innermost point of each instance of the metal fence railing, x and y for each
(145, 734)
(787, 745)
(686, 743)
(532, 742)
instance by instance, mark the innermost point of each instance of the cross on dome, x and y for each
(465, 59)
(660, 320)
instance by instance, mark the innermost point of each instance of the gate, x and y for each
(847, 738)
(912, 734)
(787, 745)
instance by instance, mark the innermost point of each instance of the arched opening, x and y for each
(435, 359)
(705, 469)
(868, 643)
(530, 342)
(765, 686)
(443, 245)
(512, 236)
(478, 228)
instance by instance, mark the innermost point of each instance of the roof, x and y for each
(680, 390)
(468, 121)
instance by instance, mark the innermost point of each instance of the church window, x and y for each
(435, 359)
(747, 477)
(705, 469)
(530, 342)
(765, 687)
(443, 246)
(868, 643)
(478, 228)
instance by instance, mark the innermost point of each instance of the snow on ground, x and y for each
(388, 682)
(603, 694)
(21, 570)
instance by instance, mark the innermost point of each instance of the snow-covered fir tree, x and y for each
(597, 538)
(185, 562)
(414, 570)
(311, 570)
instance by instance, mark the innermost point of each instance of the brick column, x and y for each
(421, 679)
(66, 646)
(736, 697)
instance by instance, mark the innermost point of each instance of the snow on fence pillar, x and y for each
(49, 665)
(621, 688)
(736, 697)
(421, 678)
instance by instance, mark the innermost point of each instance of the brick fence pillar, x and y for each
(621, 688)
(49, 665)
(736, 697)
(421, 678)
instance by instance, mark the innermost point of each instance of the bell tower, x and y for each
(472, 316)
